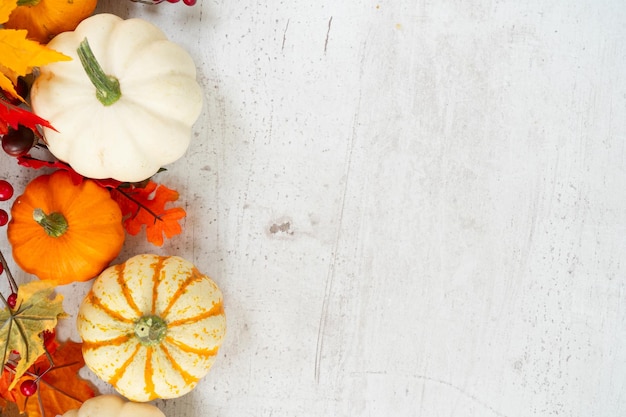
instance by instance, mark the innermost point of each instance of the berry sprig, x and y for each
(11, 300)
(6, 192)
(30, 386)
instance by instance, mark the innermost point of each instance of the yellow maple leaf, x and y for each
(18, 55)
(37, 309)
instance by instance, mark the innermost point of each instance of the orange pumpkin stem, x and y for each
(54, 224)
(150, 330)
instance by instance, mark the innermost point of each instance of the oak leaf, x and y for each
(37, 310)
(145, 206)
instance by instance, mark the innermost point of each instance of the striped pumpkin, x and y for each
(152, 326)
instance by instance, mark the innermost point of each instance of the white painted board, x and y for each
(413, 208)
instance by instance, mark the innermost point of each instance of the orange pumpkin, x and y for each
(63, 232)
(152, 326)
(44, 19)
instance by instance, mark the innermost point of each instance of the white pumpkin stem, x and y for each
(107, 86)
(54, 224)
(150, 330)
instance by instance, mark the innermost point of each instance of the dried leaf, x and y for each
(145, 206)
(36, 311)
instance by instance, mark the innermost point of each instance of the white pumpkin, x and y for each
(152, 326)
(127, 109)
(113, 406)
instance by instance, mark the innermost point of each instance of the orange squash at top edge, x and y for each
(44, 19)
(93, 236)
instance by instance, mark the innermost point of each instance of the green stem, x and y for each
(150, 330)
(107, 86)
(54, 224)
(28, 2)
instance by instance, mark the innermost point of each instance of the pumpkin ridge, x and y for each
(90, 345)
(194, 276)
(97, 324)
(216, 310)
(119, 269)
(96, 302)
(148, 375)
(156, 279)
(188, 349)
(187, 377)
(119, 373)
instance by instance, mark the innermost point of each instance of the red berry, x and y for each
(6, 190)
(4, 217)
(1, 268)
(189, 2)
(28, 387)
(12, 300)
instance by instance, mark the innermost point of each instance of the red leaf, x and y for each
(11, 115)
(30, 162)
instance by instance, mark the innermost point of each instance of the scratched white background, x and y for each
(414, 208)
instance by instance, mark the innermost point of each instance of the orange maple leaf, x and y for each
(20, 55)
(145, 206)
(59, 390)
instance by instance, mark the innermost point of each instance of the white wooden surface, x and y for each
(413, 207)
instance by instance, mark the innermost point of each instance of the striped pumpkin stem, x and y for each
(150, 330)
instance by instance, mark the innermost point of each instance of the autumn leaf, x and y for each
(13, 116)
(145, 206)
(59, 387)
(36, 311)
(30, 162)
(20, 55)
(6, 7)
(6, 378)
